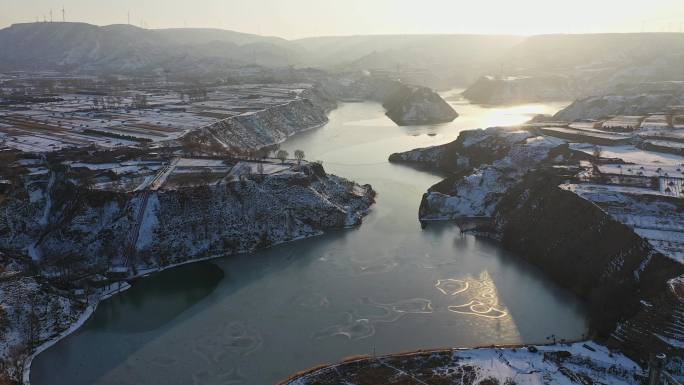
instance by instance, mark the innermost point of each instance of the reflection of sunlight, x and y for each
(480, 299)
(515, 115)
(375, 122)
(484, 301)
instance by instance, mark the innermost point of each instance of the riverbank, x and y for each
(520, 364)
(122, 286)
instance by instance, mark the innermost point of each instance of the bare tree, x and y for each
(33, 323)
(140, 101)
(15, 359)
(299, 155)
(273, 148)
(4, 322)
(260, 170)
(282, 155)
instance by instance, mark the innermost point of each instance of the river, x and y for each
(384, 287)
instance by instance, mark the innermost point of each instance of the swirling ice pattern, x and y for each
(235, 338)
(228, 377)
(310, 299)
(452, 286)
(377, 266)
(357, 327)
(484, 302)
(217, 349)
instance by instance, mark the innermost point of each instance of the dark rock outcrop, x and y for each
(471, 149)
(405, 104)
(413, 105)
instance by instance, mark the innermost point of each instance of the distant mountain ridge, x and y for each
(567, 67)
(126, 48)
(595, 62)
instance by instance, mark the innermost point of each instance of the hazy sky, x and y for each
(301, 18)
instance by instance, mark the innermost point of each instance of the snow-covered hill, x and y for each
(125, 48)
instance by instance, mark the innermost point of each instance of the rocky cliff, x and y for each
(484, 164)
(414, 105)
(405, 104)
(580, 246)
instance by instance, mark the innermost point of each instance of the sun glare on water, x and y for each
(515, 115)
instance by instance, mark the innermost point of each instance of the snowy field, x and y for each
(631, 154)
(652, 214)
(588, 134)
(78, 120)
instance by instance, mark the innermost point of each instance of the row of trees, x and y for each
(110, 102)
(282, 155)
(194, 95)
(216, 148)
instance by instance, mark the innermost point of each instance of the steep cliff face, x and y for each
(266, 127)
(484, 164)
(633, 291)
(58, 223)
(577, 244)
